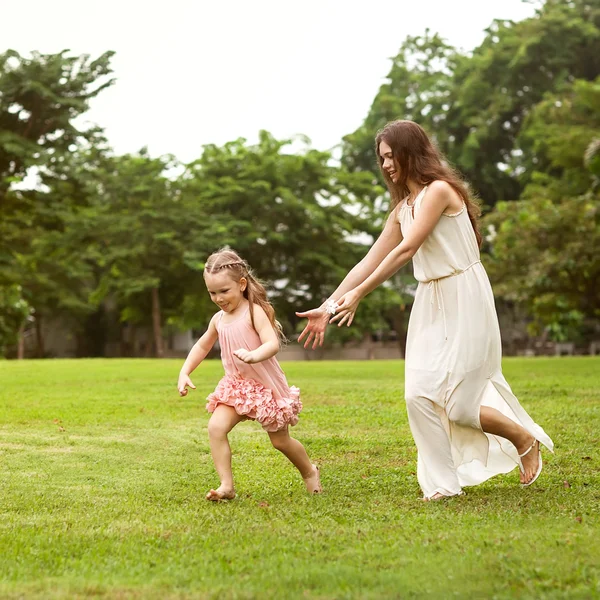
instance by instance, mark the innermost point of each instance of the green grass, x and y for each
(104, 470)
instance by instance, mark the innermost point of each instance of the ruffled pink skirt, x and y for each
(254, 401)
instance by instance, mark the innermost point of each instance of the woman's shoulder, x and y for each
(442, 193)
(441, 187)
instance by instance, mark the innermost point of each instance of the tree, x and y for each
(496, 113)
(14, 311)
(40, 97)
(418, 87)
(289, 214)
(140, 230)
(545, 247)
(474, 105)
(497, 87)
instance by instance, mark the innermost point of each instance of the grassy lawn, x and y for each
(104, 470)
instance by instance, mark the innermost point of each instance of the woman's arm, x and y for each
(439, 199)
(318, 318)
(389, 238)
(269, 343)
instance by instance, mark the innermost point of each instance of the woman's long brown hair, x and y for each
(418, 160)
(255, 291)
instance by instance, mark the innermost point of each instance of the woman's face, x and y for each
(387, 162)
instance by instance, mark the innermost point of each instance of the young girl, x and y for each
(254, 386)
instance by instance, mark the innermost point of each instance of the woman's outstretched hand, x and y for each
(346, 308)
(318, 318)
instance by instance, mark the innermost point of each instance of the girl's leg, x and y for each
(494, 422)
(223, 420)
(296, 453)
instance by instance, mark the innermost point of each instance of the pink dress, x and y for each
(260, 391)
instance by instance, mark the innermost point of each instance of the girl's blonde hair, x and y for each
(255, 291)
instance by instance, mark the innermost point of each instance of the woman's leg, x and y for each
(297, 455)
(223, 420)
(494, 422)
(435, 469)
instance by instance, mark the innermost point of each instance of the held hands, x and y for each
(346, 308)
(245, 356)
(183, 383)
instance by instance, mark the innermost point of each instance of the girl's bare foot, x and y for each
(221, 493)
(313, 482)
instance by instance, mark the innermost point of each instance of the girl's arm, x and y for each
(438, 199)
(269, 342)
(318, 318)
(196, 355)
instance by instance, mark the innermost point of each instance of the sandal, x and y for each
(539, 469)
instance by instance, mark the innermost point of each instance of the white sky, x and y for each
(193, 72)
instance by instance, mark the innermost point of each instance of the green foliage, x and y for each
(40, 97)
(520, 117)
(14, 311)
(290, 215)
(115, 239)
(545, 256)
(508, 75)
(418, 88)
(559, 136)
(547, 244)
(475, 105)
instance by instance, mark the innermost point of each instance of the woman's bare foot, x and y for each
(221, 493)
(531, 460)
(313, 482)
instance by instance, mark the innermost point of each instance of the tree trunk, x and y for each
(158, 342)
(21, 342)
(133, 342)
(41, 351)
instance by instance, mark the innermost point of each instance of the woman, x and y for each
(467, 424)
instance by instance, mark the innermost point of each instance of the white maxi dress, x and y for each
(453, 362)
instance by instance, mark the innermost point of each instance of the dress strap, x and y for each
(420, 196)
(239, 318)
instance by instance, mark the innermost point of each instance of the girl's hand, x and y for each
(183, 383)
(347, 306)
(315, 328)
(245, 356)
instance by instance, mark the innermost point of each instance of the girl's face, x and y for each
(224, 290)
(387, 162)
